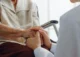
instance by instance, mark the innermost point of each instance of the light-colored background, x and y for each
(52, 10)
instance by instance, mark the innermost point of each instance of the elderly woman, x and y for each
(16, 16)
(69, 37)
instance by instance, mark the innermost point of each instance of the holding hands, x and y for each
(40, 38)
(34, 42)
(36, 36)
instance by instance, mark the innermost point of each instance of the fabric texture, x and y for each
(15, 50)
(9, 49)
(69, 34)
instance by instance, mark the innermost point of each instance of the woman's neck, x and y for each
(14, 3)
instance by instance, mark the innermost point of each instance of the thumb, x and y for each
(37, 35)
(44, 34)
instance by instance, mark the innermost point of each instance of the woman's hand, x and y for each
(28, 33)
(34, 42)
(43, 35)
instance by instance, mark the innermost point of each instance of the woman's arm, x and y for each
(8, 32)
(7, 29)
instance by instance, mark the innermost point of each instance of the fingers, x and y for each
(32, 34)
(36, 28)
(34, 42)
(37, 36)
(43, 33)
(42, 42)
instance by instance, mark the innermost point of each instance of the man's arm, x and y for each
(35, 44)
(41, 52)
(53, 48)
(67, 42)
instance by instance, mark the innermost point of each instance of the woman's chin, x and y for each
(73, 1)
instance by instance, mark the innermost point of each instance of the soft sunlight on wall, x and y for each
(52, 10)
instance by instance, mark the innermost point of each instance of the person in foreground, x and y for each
(68, 44)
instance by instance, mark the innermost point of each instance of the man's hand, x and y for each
(34, 42)
(45, 37)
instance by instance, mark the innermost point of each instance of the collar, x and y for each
(21, 5)
(8, 4)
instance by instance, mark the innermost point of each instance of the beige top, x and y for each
(25, 15)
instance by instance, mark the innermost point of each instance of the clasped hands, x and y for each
(37, 37)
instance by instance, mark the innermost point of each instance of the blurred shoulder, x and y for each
(72, 15)
(33, 3)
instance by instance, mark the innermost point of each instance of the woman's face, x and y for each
(73, 1)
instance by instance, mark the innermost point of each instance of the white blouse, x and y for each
(24, 17)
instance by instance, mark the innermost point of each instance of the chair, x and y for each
(51, 23)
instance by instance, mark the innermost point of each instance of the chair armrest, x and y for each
(51, 23)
